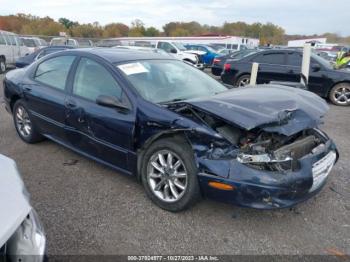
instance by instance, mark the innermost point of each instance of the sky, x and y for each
(295, 16)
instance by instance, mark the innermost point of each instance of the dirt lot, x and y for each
(90, 209)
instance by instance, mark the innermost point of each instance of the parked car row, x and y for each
(11, 48)
(183, 134)
(285, 65)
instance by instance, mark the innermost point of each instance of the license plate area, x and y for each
(321, 169)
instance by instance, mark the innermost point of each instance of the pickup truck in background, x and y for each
(11, 48)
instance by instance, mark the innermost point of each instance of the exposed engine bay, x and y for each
(260, 149)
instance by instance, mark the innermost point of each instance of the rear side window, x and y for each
(294, 59)
(2, 39)
(54, 72)
(92, 80)
(7, 38)
(270, 58)
(12, 39)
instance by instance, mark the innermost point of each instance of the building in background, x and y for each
(302, 42)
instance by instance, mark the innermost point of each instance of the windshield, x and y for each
(29, 42)
(161, 81)
(322, 61)
(180, 46)
(212, 50)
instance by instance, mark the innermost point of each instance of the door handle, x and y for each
(81, 119)
(291, 71)
(28, 89)
(70, 104)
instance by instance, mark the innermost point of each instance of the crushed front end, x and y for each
(274, 165)
(274, 171)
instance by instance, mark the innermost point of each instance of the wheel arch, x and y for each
(13, 100)
(174, 134)
(337, 83)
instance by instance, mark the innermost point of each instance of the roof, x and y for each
(115, 55)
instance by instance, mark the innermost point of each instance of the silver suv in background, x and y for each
(60, 41)
(33, 43)
(11, 48)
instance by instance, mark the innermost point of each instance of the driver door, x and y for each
(101, 132)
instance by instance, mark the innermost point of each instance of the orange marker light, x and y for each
(221, 186)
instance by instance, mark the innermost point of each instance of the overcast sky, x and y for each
(295, 16)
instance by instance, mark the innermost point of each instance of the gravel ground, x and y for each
(87, 208)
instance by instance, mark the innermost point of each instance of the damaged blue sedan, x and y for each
(180, 132)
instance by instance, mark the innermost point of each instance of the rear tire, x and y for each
(173, 184)
(340, 94)
(243, 80)
(24, 125)
(216, 71)
(2, 65)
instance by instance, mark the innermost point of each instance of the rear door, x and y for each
(46, 95)
(272, 67)
(103, 133)
(294, 61)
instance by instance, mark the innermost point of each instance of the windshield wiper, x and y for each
(172, 101)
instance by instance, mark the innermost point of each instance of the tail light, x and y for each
(216, 61)
(227, 67)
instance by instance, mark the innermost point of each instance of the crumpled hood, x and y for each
(14, 199)
(275, 108)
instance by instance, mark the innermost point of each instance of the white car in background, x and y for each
(21, 232)
(33, 43)
(11, 48)
(177, 50)
(81, 42)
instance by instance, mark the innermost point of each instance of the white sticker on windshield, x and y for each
(133, 68)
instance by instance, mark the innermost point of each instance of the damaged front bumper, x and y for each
(261, 189)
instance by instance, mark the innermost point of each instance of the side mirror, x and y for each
(110, 101)
(173, 51)
(315, 67)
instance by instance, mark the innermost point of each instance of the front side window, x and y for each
(275, 58)
(54, 71)
(165, 46)
(92, 80)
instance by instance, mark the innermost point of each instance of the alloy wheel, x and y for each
(342, 95)
(23, 123)
(244, 82)
(167, 176)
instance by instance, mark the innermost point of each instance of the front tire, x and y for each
(24, 125)
(340, 94)
(169, 174)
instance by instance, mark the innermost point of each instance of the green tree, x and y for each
(152, 31)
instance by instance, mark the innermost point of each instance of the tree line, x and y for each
(268, 33)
